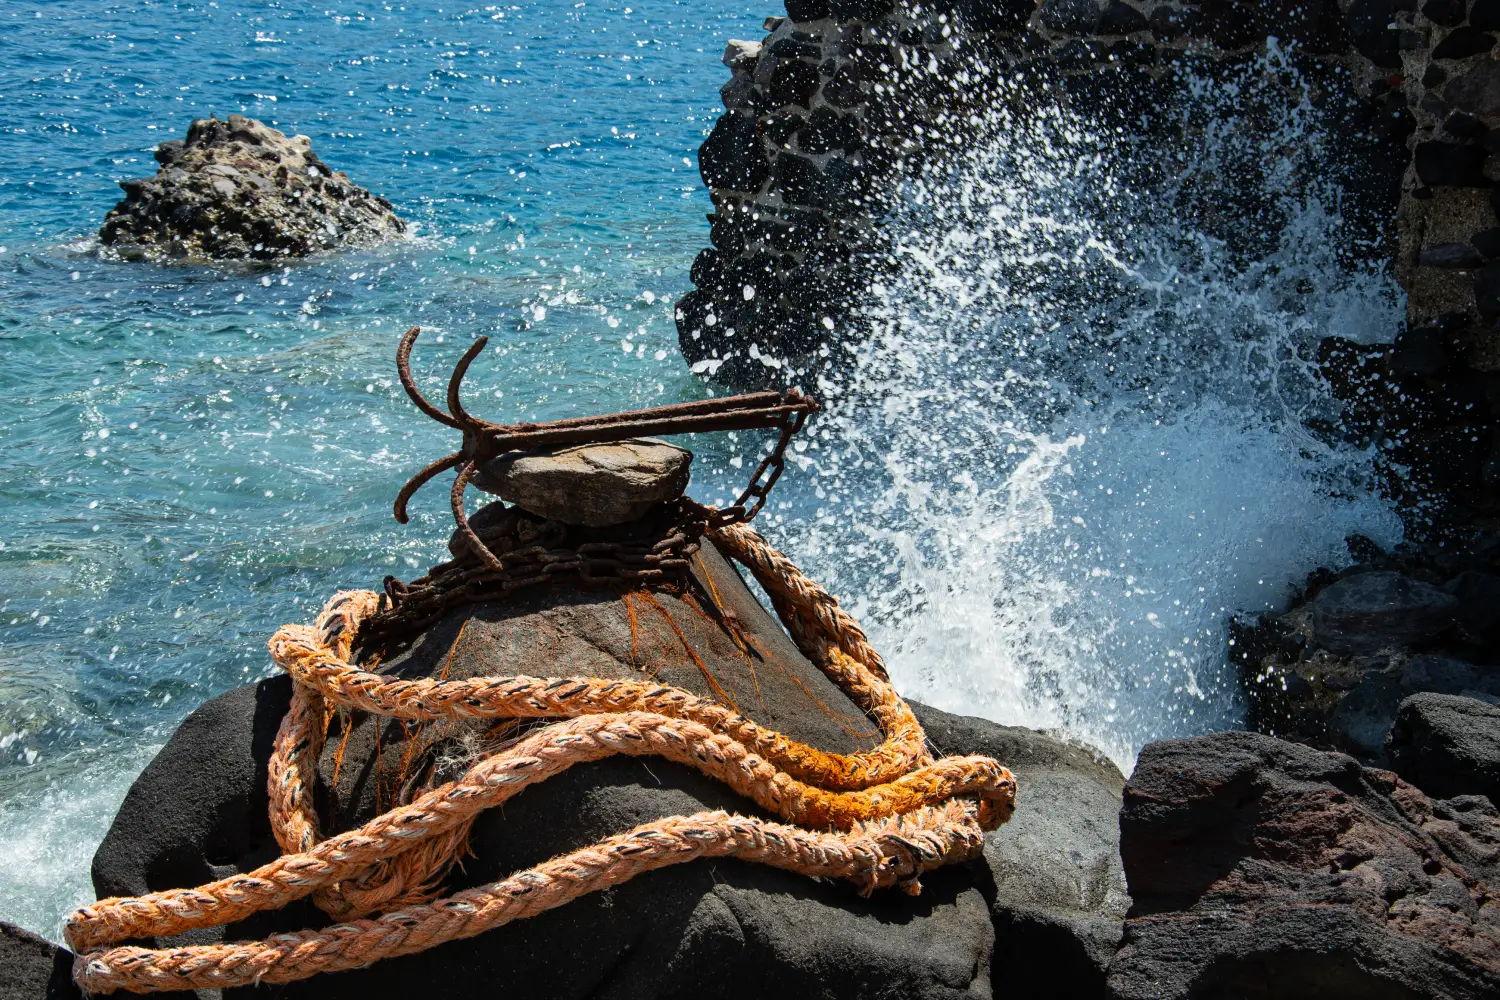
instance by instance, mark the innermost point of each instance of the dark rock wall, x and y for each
(841, 100)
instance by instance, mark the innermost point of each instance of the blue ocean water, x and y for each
(195, 455)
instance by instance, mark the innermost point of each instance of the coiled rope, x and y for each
(878, 819)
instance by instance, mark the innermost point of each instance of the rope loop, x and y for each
(878, 819)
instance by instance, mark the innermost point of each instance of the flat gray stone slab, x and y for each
(593, 484)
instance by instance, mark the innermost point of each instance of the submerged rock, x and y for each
(1261, 868)
(1051, 883)
(239, 189)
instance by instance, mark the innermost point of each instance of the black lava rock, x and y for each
(1448, 13)
(1369, 25)
(802, 11)
(1121, 19)
(1448, 164)
(731, 157)
(1073, 17)
(32, 968)
(793, 82)
(1266, 870)
(1487, 292)
(1462, 43)
(1369, 612)
(1448, 745)
(1485, 15)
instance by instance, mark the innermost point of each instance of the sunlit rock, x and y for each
(239, 189)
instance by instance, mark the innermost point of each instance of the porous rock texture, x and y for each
(1265, 869)
(842, 99)
(239, 189)
(593, 484)
(34, 969)
(1044, 908)
(1448, 744)
(1333, 670)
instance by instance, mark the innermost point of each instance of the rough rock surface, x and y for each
(1260, 868)
(1333, 670)
(34, 969)
(841, 99)
(737, 930)
(1056, 888)
(1448, 745)
(1374, 611)
(595, 484)
(239, 189)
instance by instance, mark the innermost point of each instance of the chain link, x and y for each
(519, 550)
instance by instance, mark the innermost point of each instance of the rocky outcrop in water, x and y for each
(239, 189)
(1261, 868)
(1042, 910)
(841, 99)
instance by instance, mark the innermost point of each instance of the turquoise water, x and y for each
(1045, 510)
(195, 455)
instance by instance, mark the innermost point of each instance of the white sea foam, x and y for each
(1078, 440)
(51, 822)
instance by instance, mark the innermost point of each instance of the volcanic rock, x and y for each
(1056, 887)
(239, 189)
(34, 969)
(595, 484)
(1448, 745)
(1051, 882)
(1265, 869)
(1446, 675)
(1478, 597)
(1372, 611)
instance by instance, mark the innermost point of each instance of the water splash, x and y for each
(1076, 441)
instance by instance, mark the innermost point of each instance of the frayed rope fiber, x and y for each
(878, 819)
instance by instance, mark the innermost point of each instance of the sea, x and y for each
(1072, 449)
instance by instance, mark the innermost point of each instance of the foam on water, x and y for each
(1074, 446)
(1078, 442)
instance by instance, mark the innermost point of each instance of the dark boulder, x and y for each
(32, 968)
(1478, 597)
(731, 156)
(239, 189)
(1462, 43)
(1363, 717)
(1368, 612)
(1446, 675)
(1120, 19)
(1071, 17)
(1450, 164)
(1055, 885)
(735, 929)
(1265, 869)
(1448, 745)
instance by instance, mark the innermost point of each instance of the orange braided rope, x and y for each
(880, 818)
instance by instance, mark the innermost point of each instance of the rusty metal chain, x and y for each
(534, 550)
